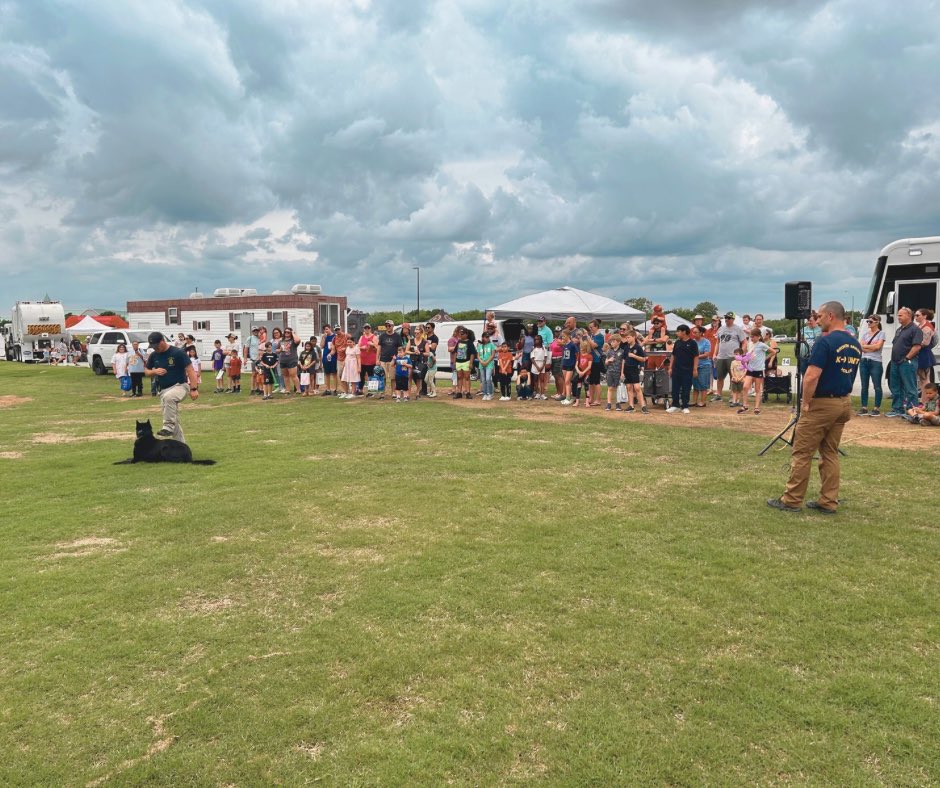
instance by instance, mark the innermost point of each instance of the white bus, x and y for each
(907, 273)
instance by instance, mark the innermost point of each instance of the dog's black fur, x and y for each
(147, 448)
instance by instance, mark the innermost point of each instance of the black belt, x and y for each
(829, 396)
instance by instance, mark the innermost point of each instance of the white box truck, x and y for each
(36, 326)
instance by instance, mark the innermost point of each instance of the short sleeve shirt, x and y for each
(904, 339)
(388, 346)
(729, 340)
(684, 352)
(174, 361)
(838, 355)
(636, 350)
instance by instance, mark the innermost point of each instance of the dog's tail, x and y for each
(203, 462)
(124, 462)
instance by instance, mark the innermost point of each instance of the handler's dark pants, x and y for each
(681, 387)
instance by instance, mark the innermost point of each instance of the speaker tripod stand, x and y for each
(788, 434)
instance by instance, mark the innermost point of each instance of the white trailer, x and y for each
(907, 274)
(36, 326)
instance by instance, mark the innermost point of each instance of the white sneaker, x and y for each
(672, 409)
(504, 399)
(686, 410)
(566, 402)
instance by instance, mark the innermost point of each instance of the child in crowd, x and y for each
(305, 363)
(756, 362)
(613, 359)
(524, 384)
(486, 353)
(235, 372)
(268, 364)
(352, 370)
(257, 377)
(539, 358)
(582, 371)
(569, 361)
(402, 375)
(634, 359)
(738, 373)
(504, 361)
(120, 362)
(196, 363)
(218, 365)
(925, 414)
(226, 367)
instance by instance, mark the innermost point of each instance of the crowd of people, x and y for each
(568, 363)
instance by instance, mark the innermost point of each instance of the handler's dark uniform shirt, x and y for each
(838, 355)
(174, 361)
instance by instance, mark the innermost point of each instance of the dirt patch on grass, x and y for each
(860, 431)
(89, 546)
(10, 400)
(61, 437)
(202, 605)
(313, 750)
(11, 455)
(350, 555)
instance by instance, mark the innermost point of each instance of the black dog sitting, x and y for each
(147, 448)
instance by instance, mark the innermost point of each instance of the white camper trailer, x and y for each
(907, 273)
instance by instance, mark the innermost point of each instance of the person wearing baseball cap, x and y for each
(731, 339)
(175, 378)
(389, 342)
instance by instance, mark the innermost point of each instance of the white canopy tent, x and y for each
(673, 321)
(87, 325)
(564, 302)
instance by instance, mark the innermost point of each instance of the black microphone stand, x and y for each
(791, 425)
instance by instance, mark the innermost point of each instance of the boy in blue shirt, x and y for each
(402, 375)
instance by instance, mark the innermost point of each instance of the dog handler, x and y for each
(826, 407)
(175, 379)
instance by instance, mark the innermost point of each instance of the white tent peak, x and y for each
(563, 302)
(87, 325)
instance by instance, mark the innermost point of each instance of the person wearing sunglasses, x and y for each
(871, 368)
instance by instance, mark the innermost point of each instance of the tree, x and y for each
(107, 313)
(705, 308)
(683, 311)
(641, 303)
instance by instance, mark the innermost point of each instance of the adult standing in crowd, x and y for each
(287, 360)
(684, 369)
(328, 354)
(136, 365)
(427, 382)
(176, 378)
(923, 317)
(826, 408)
(871, 369)
(368, 356)
(557, 349)
(597, 340)
(811, 332)
(731, 340)
(902, 375)
(711, 334)
(389, 342)
(251, 353)
(340, 343)
(702, 380)
(545, 332)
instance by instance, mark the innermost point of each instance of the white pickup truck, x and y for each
(103, 345)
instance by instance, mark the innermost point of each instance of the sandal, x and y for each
(757, 411)
(742, 409)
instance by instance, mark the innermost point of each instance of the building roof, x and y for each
(235, 303)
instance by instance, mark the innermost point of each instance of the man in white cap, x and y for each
(176, 378)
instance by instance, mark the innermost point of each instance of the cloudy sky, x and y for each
(682, 150)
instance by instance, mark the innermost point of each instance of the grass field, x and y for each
(369, 593)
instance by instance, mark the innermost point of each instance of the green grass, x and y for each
(365, 593)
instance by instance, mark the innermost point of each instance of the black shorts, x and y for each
(756, 373)
(269, 376)
(594, 378)
(367, 370)
(401, 384)
(631, 375)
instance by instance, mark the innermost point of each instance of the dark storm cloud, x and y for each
(665, 149)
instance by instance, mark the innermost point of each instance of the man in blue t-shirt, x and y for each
(175, 377)
(826, 407)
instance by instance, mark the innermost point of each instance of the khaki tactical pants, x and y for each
(170, 400)
(820, 428)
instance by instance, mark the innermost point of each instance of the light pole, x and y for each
(417, 270)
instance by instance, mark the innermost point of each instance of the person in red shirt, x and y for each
(368, 356)
(235, 373)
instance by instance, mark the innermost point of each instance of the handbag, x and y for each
(125, 383)
(622, 392)
(375, 383)
(304, 378)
